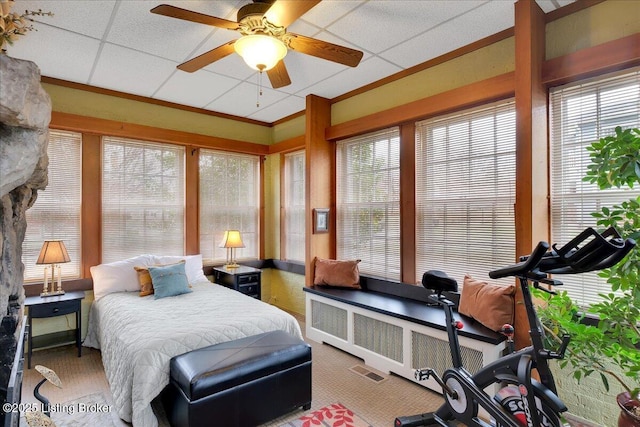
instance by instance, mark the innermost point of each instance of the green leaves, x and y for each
(615, 160)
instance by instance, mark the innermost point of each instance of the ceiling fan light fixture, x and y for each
(260, 51)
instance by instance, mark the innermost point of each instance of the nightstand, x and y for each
(58, 305)
(243, 279)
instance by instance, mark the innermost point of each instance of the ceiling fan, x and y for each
(265, 40)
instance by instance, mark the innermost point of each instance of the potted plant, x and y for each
(612, 338)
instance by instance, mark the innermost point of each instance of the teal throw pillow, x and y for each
(169, 280)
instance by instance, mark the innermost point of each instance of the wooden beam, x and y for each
(408, 202)
(288, 145)
(192, 197)
(492, 89)
(91, 207)
(531, 209)
(320, 182)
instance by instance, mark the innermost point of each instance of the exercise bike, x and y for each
(521, 399)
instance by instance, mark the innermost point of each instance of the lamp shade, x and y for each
(231, 239)
(53, 252)
(260, 51)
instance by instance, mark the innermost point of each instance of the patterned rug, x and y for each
(90, 410)
(334, 415)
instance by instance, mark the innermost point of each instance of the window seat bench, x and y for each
(395, 334)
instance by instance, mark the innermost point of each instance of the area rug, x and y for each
(89, 410)
(334, 415)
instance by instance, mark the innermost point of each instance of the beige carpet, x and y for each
(333, 381)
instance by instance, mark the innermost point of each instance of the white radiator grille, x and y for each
(430, 352)
(329, 319)
(380, 337)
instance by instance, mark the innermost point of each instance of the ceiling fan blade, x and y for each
(188, 15)
(278, 75)
(325, 50)
(208, 57)
(283, 12)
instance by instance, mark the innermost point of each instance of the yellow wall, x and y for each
(289, 129)
(272, 206)
(83, 103)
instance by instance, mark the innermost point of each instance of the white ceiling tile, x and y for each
(58, 53)
(81, 16)
(242, 99)
(367, 72)
(306, 70)
(328, 11)
(379, 25)
(550, 5)
(197, 89)
(285, 107)
(484, 21)
(130, 71)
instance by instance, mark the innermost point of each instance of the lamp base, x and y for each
(233, 265)
(52, 293)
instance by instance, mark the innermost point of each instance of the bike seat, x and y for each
(438, 281)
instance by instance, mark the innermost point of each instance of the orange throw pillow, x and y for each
(331, 272)
(144, 278)
(491, 305)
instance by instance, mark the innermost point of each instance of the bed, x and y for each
(138, 336)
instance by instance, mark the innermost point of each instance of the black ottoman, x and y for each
(245, 382)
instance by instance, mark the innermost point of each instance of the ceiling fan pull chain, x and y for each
(259, 88)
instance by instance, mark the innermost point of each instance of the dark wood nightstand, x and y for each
(243, 279)
(58, 305)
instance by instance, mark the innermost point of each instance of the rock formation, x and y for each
(25, 112)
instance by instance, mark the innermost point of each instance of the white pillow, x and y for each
(193, 265)
(118, 276)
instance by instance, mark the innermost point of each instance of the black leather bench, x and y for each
(245, 382)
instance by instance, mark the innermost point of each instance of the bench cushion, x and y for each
(208, 370)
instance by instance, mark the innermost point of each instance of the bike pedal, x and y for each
(423, 374)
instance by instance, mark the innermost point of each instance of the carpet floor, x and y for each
(333, 379)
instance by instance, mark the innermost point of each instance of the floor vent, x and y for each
(368, 373)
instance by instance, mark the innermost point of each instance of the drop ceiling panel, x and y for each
(400, 21)
(80, 16)
(283, 108)
(130, 71)
(326, 13)
(242, 99)
(482, 22)
(59, 54)
(198, 89)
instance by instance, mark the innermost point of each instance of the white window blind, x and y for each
(229, 200)
(465, 191)
(582, 113)
(368, 202)
(142, 199)
(294, 208)
(56, 213)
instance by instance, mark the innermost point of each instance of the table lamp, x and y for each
(231, 240)
(53, 253)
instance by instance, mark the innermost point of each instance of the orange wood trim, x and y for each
(84, 284)
(487, 41)
(493, 89)
(192, 197)
(531, 211)
(288, 145)
(109, 92)
(319, 184)
(283, 204)
(147, 133)
(91, 208)
(601, 59)
(261, 250)
(408, 202)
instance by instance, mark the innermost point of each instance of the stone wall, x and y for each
(25, 112)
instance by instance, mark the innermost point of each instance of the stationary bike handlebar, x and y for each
(523, 267)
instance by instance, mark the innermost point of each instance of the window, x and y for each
(582, 113)
(294, 206)
(368, 202)
(465, 191)
(229, 200)
(142, 199)
(56, 213)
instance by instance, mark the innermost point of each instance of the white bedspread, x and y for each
(139, 335)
